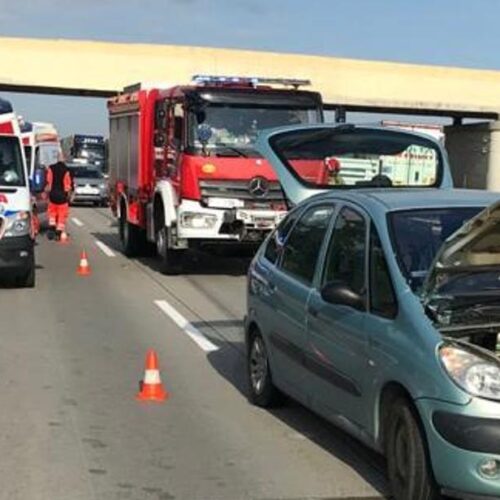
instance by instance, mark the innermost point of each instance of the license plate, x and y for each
(263, 222)
(87, 190)
(225, 203)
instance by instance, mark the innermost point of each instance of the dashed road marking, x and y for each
(106, 250)
(76, 221)
(185, 325)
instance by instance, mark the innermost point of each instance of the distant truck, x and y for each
(85, 149)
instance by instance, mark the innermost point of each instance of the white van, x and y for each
(17, 259)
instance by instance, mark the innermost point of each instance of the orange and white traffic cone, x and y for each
(151, 386)
(83, 268)
(64, 238)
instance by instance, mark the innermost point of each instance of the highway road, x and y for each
(72, 356)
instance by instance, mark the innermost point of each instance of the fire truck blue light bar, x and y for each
(253, 80)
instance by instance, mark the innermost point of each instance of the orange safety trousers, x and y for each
(58, 215)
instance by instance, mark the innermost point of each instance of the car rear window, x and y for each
(348, 156)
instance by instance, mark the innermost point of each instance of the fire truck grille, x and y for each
(268, 191)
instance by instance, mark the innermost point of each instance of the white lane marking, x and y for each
(78, 222)
(106, 250)
(185, 325)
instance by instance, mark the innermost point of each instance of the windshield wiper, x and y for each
(238, 151)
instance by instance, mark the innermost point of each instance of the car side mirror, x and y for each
(339, 293)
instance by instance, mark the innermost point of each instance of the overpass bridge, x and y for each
(102, 69)
(87, 68)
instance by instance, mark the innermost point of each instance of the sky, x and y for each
(443, 32)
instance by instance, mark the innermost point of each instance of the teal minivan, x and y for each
(376, 303)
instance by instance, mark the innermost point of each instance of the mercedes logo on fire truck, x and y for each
(258, 187)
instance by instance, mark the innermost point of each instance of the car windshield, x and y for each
(354, 156)
(236, 126)
(417, 235)
(11, 163)
(87, 173)
(92, 153)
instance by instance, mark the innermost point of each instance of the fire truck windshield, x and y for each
(235, 127)
(11, 163)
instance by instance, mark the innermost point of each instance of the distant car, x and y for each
(89, 184)
(379, 308)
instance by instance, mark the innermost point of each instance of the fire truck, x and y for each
(41, 149)
(184, 172)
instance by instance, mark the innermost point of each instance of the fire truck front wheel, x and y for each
(171, 260)
(131, 237)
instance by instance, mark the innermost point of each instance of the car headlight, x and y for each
(103, 185)
(18, 224)
(473, 371)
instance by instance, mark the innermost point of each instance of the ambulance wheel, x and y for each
(170, 260)
(27, 280)
(130, 237)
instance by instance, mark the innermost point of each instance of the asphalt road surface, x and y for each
(71, 358)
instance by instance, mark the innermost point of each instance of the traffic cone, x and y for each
(64, 238)
(83, 268)
(151, 388)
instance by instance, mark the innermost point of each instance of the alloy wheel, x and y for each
(258, 365)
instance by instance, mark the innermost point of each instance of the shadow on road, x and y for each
(229, 362)
(229, 262)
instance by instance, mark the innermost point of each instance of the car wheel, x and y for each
(28, 279)
(408, 467)
(171, 261)
(261, 390)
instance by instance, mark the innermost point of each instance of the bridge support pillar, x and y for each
(474, 153)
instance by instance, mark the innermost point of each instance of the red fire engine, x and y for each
(184, 171)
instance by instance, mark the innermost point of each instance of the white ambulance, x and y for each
(17, 259)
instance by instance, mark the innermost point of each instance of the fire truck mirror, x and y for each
(204, 133)
(160, 118)
(159, 139)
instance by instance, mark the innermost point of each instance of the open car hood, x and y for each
(472, 248)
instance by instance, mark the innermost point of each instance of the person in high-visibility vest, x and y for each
(59, 187)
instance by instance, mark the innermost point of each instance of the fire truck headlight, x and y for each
(196, 220)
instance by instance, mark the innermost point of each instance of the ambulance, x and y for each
(17, 258)
(41, 148)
